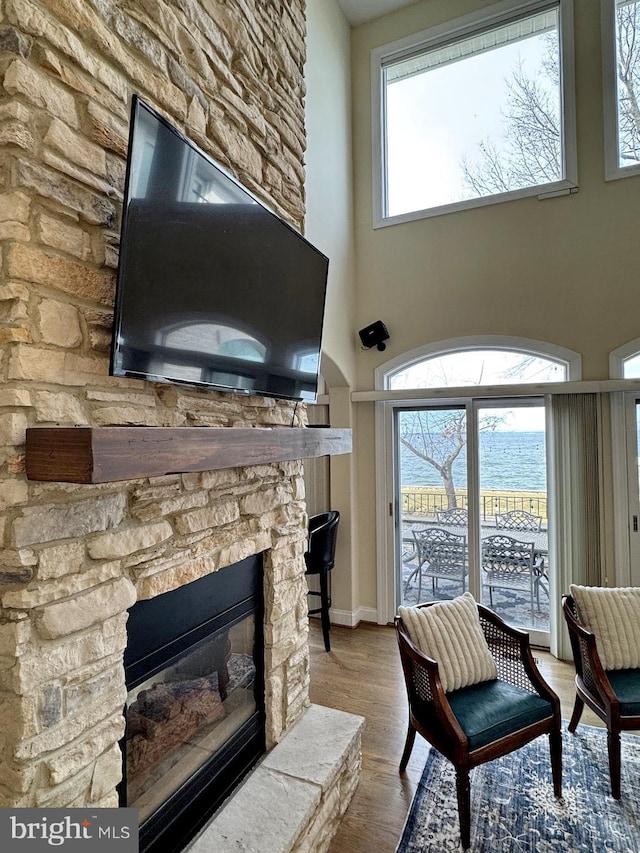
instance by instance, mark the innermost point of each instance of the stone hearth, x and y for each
(296, 797)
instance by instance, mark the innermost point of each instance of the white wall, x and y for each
(329, 177)
(329, 224)
(562, 270)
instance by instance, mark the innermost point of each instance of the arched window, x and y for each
(624, 362)
(475, 361)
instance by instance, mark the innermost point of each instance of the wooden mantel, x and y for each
(111, 453)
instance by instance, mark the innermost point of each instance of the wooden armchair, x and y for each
(614, 695)
(483, 721)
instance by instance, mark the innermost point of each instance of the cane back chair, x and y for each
(483, 721)
(614, 694)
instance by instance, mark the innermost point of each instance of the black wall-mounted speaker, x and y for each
(374, 335)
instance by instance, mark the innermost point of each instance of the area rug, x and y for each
(513, 809)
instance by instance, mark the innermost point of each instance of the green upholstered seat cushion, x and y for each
(626, 686)
(492, 709)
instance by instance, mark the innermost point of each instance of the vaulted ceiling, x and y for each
(360, 11)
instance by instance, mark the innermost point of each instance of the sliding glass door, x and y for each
(471, 493)
(514, 530)
(433, 500)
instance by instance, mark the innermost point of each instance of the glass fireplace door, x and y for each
(178, 719)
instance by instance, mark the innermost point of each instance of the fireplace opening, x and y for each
(194, 715)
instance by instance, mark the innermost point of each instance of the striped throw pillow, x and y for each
(451, 634)
(613, 615)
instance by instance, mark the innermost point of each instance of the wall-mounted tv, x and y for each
(214, 289)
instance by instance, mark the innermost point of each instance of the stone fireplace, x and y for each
(93, 558)
(76, 557)
(117, 549)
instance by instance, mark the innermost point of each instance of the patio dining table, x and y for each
(540, 539)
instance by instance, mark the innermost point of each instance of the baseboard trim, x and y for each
(351, 618)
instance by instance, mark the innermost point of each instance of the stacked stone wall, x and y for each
(229, 73)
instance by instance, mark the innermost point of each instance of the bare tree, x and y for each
(628, 70)
(530, 152)
(530, 368)
(437, 436)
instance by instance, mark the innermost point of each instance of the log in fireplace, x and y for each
(195, 716)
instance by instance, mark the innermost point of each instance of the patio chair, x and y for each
(488, 716)
(518, 519)
(441, 555)
(611, 693)
(456, 515)
(509, 564)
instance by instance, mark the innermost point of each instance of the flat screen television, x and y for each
(214, 289)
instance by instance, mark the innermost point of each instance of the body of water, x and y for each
(508, 460)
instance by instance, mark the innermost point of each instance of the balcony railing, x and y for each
(424, 502)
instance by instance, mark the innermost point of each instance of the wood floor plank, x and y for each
(362, 674)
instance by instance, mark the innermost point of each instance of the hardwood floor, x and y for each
(362, 674)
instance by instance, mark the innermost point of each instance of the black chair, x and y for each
(320, 558)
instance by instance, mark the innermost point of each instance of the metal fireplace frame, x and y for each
(163, 629)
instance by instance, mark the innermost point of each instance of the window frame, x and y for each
(620, 356)
(454, 30)
(571, 360)
(613, 171)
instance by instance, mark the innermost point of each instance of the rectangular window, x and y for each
(621, 85)
(476, 111)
